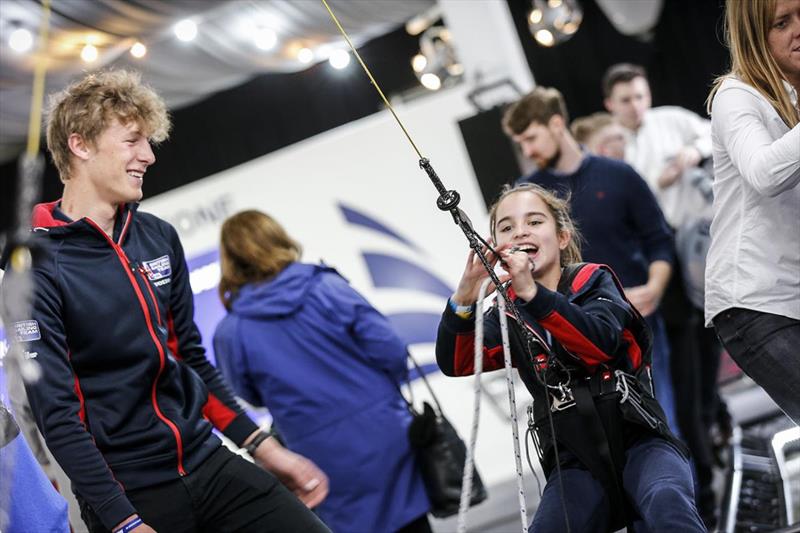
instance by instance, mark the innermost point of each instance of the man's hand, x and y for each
(300, 475)
(644, 298)
(687, 157)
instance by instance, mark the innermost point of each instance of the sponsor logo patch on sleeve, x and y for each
(26, 331)
(158, 268)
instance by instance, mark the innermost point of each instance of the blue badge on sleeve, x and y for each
(26, 331)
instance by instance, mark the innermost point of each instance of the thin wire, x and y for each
(371, 78)
(37, 96)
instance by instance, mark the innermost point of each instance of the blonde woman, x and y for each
(753, 266)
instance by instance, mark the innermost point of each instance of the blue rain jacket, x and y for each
(325, 363)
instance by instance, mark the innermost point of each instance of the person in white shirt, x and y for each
(665, 145)
(663, 142)
(753, 266)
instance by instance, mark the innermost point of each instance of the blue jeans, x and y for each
(765, 346)
(662, 372)
(656, 478)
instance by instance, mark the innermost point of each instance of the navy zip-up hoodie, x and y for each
(126, 393)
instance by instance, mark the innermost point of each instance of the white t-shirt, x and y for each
(662, 134)
(754, 258)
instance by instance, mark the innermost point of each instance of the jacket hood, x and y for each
(283, 295)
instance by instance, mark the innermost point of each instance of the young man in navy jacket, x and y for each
(127, 400)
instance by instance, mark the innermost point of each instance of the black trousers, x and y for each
(225, 494)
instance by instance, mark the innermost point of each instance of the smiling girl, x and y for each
(618, 461)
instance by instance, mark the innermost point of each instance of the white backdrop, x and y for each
(369, 167)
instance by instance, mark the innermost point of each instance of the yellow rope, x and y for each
(37, 97)
(375, 83)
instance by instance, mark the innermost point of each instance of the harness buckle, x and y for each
(564, 401)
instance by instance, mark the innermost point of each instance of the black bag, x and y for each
(441, 454)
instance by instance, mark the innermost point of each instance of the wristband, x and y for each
(261, 437)
(463, 311)
(130, 526)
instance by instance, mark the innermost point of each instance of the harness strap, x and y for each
(610, 451)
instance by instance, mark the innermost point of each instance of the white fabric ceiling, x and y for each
(222, 56)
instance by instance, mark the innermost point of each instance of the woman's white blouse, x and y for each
(754, 258)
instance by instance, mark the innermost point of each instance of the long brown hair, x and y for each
(558, 207)
(747, 26)
(253, 248)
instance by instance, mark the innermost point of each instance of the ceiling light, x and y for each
(89, 53)
(305, 55)
(554, 21)
(418, 62)
(436, 63)
(431, 81)
(339, 59)
(545, 37)
(138, 50)
(20, 40)
(185, 30)
(265, 38)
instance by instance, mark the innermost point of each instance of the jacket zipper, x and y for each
(128, 267)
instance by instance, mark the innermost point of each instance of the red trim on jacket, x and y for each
(214, 409)
(42, 216)
(464, 356)
(79, 393)
(583, 276)
(634, 351)
(123, 259)
(573, 340)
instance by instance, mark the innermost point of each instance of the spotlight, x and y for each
(185, 30)
(436, 64)
(431, 81)
(554, 21)
(418, 62)
(265, 38)
(138, 50)
(339, 59)
(20, 40)
(305, 55)
(89, 53)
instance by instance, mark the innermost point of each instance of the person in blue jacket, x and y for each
(299, 340)
(28, 500)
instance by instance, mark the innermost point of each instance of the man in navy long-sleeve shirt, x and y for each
(616, 212)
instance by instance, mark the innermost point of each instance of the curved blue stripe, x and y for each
(392, 272)
(360, 219)
(415, 328)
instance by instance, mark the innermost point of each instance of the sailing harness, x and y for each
(594, 413)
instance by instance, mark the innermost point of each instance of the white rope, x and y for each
(512, 403)
(469, 462)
